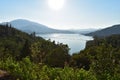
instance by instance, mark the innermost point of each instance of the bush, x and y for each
(27, 70)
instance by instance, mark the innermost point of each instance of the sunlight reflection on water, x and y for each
(76, 42)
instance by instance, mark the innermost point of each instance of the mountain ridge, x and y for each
(112, 30)
(31, 26)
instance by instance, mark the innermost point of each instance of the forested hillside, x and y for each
(102, 57)
(27, 57)
(19, 45)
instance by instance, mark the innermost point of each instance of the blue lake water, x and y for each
(76, 42)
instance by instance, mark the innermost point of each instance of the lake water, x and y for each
(76, 42)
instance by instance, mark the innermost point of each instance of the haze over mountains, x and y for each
(29, 27)
(84, 31)
(115, 29)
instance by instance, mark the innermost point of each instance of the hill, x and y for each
(115, 29)
(27, 57)
(30, 27)
(19, 44)
(12, 41)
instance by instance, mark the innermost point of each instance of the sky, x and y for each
(74, 14)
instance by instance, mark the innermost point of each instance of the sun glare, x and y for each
(56, 4)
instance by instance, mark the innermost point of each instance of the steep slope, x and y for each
(12, 41)
(18, 45)
(115, 29)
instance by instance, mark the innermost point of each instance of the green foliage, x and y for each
(27, 70)
(57, 58)
(67, 74)
(12, 41)
(54, 55)
(113, 40)
(80, 61)
(27, 57)
(23, 70)
(19, 45)
(103, 54)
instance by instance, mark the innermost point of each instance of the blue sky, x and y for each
(75, 14)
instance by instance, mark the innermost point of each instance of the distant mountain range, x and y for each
(115, 29)
(30, 27)
(83, 31)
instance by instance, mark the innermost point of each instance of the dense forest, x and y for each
(28, 57)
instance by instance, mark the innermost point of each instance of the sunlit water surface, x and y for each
(76, 42)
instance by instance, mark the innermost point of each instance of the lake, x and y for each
(76, 42)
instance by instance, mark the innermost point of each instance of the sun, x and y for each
(56, 4)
